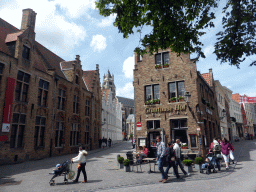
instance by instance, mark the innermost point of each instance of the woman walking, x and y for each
(225, 151)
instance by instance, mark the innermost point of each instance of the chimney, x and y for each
(211, 77)
(97, 67)
(28, 19)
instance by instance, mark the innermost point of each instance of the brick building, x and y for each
(48, 106)
(161, 82)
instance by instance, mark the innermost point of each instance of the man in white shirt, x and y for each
(178, 162)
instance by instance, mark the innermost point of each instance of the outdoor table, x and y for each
(150, 160)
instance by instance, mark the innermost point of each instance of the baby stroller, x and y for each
(210, 164)
(64, 170)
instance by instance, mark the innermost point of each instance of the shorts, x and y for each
(226, 158)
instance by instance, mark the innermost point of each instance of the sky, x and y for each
(70, 28)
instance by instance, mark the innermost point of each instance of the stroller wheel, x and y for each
(207, 172)
(52, 183)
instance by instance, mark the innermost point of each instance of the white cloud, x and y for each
(208, 50)
(126, 91)
(98, 43)
(108, 21)
(128, 67)
(75, 8)
(52, 29)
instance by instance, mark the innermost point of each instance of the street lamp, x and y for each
(187, 97)
(223, 114)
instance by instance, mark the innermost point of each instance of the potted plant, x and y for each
(148, 102)
(185, 146)
(172, 100)
(158, 66)
(156, 101)
(166, 65)
(120, 161)
(198, 163)
(127, 165)
(188, 165)
(181, 99)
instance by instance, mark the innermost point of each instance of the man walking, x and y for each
(160, 158)
(170, 153)
(81, 160)
(178, 160)
(109, 142)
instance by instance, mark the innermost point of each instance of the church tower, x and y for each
(108, 83)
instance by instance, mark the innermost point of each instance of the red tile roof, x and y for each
(89, 77)
(206, 77)
(13, 36)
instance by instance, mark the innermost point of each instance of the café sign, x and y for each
(166, 109)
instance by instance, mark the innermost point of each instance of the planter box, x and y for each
(188, 169)
(127, 168)
(198, 167)
(121, 166)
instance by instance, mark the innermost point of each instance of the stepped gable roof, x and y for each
(5, 29)
(206, 77)
(89, 77)
(65, 65)
(126, 101)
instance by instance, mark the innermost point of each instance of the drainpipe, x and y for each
(53, 111)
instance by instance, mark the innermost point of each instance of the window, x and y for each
(152, 92)
(17, 131)
(22, 84)
(74, 134)
(193, 140)
(86, 136)
(39, 131)
(75, 104)
(179, 123)
(176, 89)
(42, 93)
(87, 108)
(61, 99)
(77, 79)
(154, 124)
(59, 134)
(1, 71)
(25, 52)
(162, 58)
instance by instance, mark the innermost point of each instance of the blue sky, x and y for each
(70, 28)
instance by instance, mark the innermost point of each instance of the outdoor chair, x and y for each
(135, 163)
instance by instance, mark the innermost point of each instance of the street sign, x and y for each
(138, 124)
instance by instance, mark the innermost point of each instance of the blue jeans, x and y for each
(160, 167)
(179, 163)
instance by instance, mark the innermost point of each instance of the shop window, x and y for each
(153, 124)
(179, 123)
(17, 131)
(176, 89)
(22, 85)
(193, 140)
(152, 92)
(179, 130)
(39, 131)
(61, 99)
(42, 93)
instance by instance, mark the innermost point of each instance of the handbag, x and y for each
(231, 155)
(78, 166)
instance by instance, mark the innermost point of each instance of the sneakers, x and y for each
(187, 174)
(84, 181)
(161, 180)
(75, 181)
(164, 181)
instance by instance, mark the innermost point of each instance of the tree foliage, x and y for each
(180, 24)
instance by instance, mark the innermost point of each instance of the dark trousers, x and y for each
(82, 168)
(178, 163)
(175, 169)
(160, 167)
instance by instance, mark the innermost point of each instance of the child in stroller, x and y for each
(210, 163)
(63, 169)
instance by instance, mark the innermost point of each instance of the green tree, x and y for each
(180, 24)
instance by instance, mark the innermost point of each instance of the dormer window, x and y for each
(25, 52)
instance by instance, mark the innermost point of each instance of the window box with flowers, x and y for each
(158, 66)
(166, 65)
(172, 100)
(149, 102)
(156, 101)
(181, 99)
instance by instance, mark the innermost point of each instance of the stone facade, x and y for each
(158, 78)
(51, 112)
